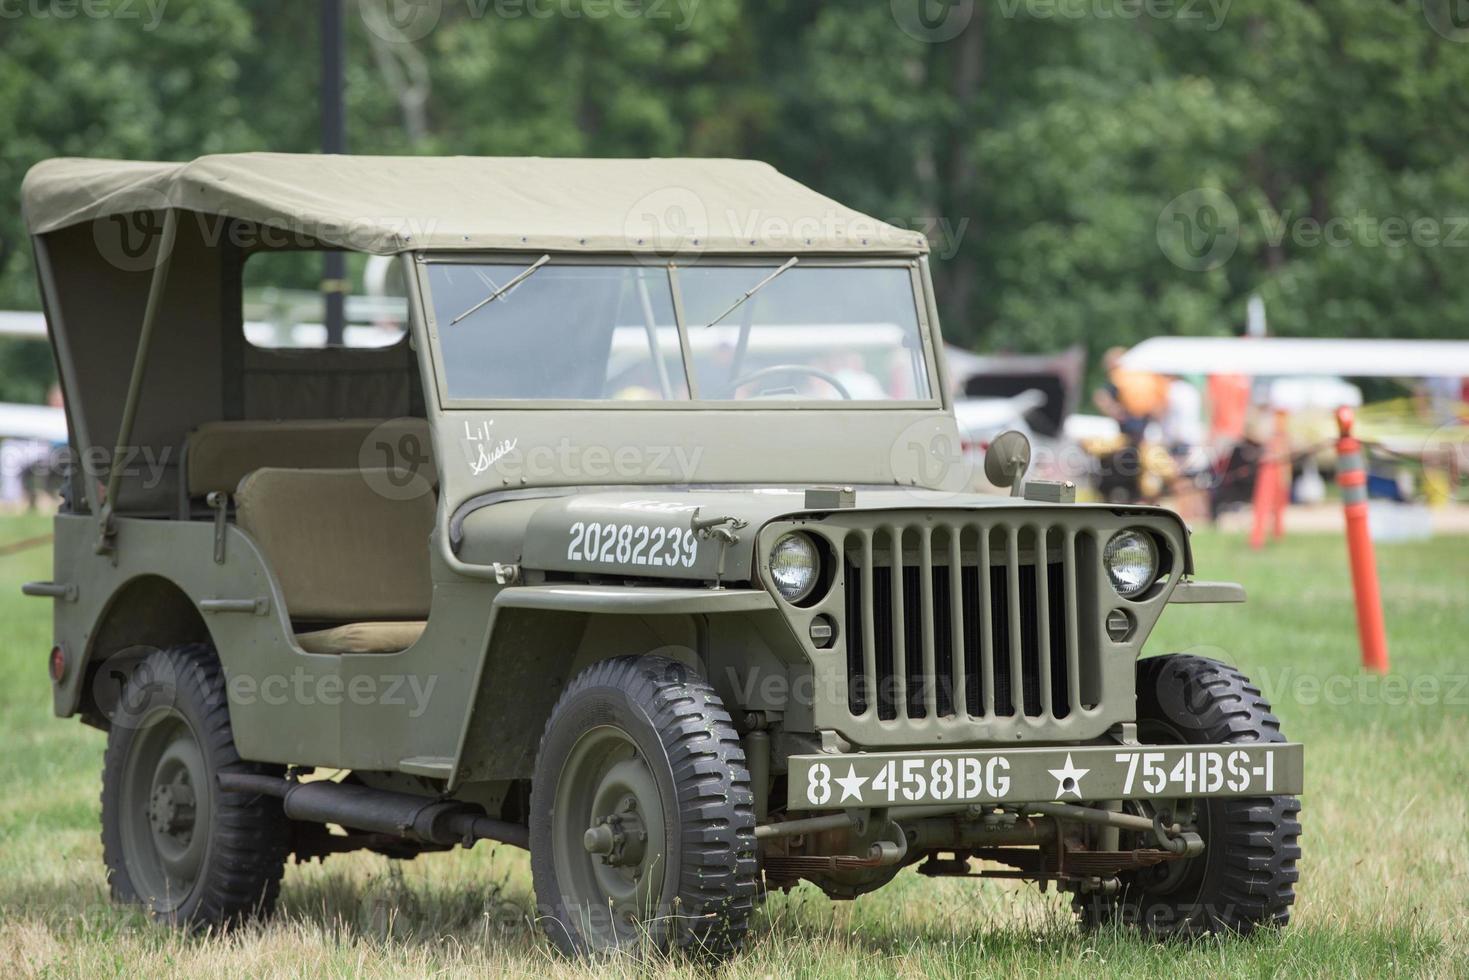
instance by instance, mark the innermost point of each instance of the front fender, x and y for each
(541, 636)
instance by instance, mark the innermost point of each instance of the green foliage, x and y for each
(1040, 145)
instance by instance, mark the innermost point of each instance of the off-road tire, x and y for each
(683, 734)
(246, 838)
(1246, 877)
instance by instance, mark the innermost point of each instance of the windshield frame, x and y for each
(423, 305)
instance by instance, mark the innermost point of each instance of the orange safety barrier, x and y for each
(1351, 477)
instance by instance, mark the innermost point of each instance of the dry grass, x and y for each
(1385, 881)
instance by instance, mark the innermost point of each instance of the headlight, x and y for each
(1131, 558)
(795, 566)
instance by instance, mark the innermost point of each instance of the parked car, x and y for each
(678, 632)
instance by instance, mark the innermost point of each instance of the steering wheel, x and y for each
(778, 369)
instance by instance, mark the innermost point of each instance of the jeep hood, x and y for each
(677, 533)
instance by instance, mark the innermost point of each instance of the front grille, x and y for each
(968, 620)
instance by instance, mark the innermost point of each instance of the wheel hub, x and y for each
(618, 838)
(171, 807)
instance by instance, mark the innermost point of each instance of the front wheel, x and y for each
(1246, 877)
(642, 816)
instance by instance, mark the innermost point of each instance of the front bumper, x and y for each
(1034, 775)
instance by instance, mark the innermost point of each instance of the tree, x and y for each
(1062, 154)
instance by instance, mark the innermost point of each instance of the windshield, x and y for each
(578, 331)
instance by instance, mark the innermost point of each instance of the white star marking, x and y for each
(851, 784)
(1068, 778)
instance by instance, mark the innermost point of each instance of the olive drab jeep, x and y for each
(645, 547)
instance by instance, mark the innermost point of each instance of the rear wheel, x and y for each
(642, 817)
(1247, 874)
(172, 841)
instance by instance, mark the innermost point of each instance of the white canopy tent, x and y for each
(1289, 357)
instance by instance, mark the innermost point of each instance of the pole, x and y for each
(1281, 451)
(1262, 501)
(161, 265)
(1351, 477)
(333, 140)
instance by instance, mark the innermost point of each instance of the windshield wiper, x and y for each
(752, 291)
(503, 289)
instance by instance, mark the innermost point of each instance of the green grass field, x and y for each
(1384, 883)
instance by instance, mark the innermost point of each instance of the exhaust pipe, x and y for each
(380, 811)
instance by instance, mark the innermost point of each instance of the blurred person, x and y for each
(1229, 407)
(1440, 401)
(1183, 418)
(41, 466)
(1135, 399)
(1182, 428)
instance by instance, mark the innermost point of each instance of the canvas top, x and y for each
(387, 205)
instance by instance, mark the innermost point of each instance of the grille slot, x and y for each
(967, 620)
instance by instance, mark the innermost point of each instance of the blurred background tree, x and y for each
(1043, 145)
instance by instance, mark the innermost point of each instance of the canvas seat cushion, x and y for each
(392, 637)
(341, 551)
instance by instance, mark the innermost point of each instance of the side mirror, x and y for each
(1006, 461)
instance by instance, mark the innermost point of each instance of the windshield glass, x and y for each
(610, 332)
(566, 332)
(824, 332)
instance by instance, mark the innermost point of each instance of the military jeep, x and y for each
(647, 547)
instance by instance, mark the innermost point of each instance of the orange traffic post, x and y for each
(1262, 503)
(1281, 451)
(1351, 477)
